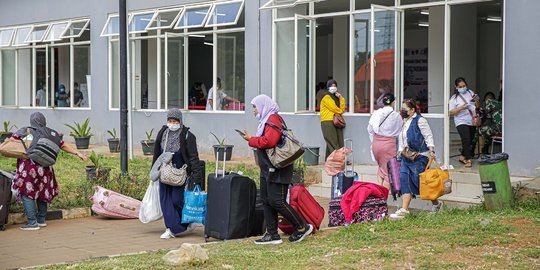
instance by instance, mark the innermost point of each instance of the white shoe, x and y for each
(190, 228)
(41, 225)
(437, 208)
(399, 214)
(167, 234)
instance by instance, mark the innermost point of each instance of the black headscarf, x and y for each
(328, 85)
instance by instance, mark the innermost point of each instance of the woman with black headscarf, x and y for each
(333, 103)
(36, 184)
(175, 138)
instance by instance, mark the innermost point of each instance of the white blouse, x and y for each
(391, 126)
(424, 129)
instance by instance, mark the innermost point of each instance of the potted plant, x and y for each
(299, 171)
(114, 142)
(6, 132)
(96, 171)
(81, 133)
(148, 144)
(221, 148)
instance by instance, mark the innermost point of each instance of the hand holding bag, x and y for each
(151, 207)
(434, 182)
(290, 149)
(194, 210)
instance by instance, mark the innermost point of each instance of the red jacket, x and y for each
(357, 194)
(271, 135)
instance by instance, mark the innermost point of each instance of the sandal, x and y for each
(468, 164)
(462, 159)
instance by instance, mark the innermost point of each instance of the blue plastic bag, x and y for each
(194, 210)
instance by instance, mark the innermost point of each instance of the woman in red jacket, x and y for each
(274, 182)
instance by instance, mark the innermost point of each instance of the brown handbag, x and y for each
(14, 148)
(410, 155)
(339, 121)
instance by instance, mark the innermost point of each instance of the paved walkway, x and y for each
(79, 239)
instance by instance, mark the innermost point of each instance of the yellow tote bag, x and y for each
(434, 182)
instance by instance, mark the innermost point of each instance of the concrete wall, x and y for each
(521, 80)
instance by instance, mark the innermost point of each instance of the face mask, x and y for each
(258, 116)
(332, 89)
(381, 90)
(173, 127)
(462, 90)
(404, 113)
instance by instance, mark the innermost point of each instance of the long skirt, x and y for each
(384, 149)
(409, 174)
(172, 202)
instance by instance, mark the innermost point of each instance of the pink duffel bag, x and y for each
(111, 204)
(335, 163)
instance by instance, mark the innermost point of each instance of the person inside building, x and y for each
(321, 92)
(383, 128)
(176, 138)
(491, 113)
(415, 137)
(463, 108)
(331, 104)
(35, 184)
(62, 97)
(196, 95)
(77, 95)
(220, 96)
(41, 96)
(274, 182)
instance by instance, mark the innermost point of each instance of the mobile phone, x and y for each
(240, 132)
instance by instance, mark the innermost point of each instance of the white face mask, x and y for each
(173, 127)
(381, 90)
(332, 89)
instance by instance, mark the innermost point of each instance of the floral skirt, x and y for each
(35, 181)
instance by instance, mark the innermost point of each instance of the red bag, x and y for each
(307, 207)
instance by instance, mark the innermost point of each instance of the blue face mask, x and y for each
(462, 90)
(258, 116)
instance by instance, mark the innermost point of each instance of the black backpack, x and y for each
(45, 146)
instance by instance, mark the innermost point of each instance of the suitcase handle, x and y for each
(349, 157)
(127, 207)
(224, 162)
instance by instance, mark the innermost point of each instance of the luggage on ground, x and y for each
(5, 198)
(259, 226)
(374, 208)
(45, 146)
(230, 205)
(394, 166)
(344, 180)
(307, 207)
(434, 182)
(13, 148)
(111, 204)
(335, 163)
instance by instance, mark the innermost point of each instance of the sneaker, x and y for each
(190, 228)
(167, 234)
(437, 208)
(269, 239)
(399, 214)
(41, 225)
(29, 227)
(297, 236)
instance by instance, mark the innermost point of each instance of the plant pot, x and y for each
(298, 176)
(221, 150)
(82, 142)
(114, 145)
(100, 174)
(311, 155)
(4, 136)
(148, 147)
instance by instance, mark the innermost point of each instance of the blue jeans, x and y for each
(35, 210)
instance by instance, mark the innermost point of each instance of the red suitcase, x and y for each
(307, 207)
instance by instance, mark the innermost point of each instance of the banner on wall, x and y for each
(416, 76)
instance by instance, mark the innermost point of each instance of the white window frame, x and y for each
(132, 18)
(270, 4)
(47, 37)
(111, 16)
(65, 35)
(10, 38)
(178, 10)
(186, 9)
(209, 21)
(28, 40)
(14, 39)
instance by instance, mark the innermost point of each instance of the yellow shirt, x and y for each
(329, 108)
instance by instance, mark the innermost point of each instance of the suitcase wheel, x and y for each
(3, 228)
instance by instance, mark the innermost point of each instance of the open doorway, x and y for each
(200, 70)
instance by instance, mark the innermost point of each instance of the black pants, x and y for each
(467, 134)
(274, 198)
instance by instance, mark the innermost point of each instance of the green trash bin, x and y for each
(496, 184)
(311, 155)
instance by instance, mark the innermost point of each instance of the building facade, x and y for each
(179, 50)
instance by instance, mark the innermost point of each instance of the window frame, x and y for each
(109, 18)
(80, 32)
(13, 30)
(14, 39)
(49, 31)
(179, 11)
(131, 18)
(186, 9)
(34, 26)
(208, 23)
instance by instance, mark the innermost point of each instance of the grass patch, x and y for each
(455, 239)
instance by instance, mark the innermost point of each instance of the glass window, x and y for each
(362, 52)
(363, 4)
(225, 13)
(37, 33)
(56, 31)
(164, 18)
(300, 9)
(175, 75)
(83, 35)
(42, 93)
(193, 17)
(139, 22)
(332, 6)
(24, 77)
(231, 71)
(278, 3)
(285, 65)
(76, 28)
(5, 37)
(81, 75)
(112, 26)
(409, 2)
(20, 36)
(114, 74)
(144, 74)
(384, 73)
(8, 77)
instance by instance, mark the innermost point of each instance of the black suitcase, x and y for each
(259, 227)
(5, 198)
(230, 205)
